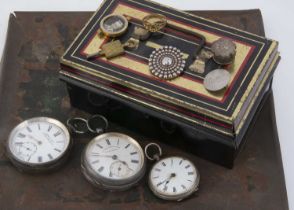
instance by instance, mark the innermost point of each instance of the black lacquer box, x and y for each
(180, 111)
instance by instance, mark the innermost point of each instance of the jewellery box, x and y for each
(180, 111)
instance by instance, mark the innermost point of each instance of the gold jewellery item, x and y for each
(167, 62)
(114, 25)
(154, 22)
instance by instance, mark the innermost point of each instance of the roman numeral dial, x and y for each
(117, 154)
(39, 141)
(173, 178)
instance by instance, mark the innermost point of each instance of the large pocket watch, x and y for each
(171, 178)
(38, 144)
(113, 161)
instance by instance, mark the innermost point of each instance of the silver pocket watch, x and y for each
(38, 144)
(113, 161)
(172, 178)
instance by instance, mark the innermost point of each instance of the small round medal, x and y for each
(114, 25)
(216, 80)
(224, 51)
(166, 62)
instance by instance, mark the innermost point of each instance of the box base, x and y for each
(204, 145)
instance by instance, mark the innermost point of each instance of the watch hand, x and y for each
(33, 138)
(171, 176)
(29, 157)
(127, 165)
(27, 148)
(110, 156)
(114, 157)
(167, 180)
(160, 183)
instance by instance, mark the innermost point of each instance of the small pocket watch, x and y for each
(113, 161)
(38, 144)
(114, 25)
(172, 178)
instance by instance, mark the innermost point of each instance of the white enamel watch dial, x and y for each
(38, 144)
(174, 178)
(113, 161)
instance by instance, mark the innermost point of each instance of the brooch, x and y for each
(166, 62)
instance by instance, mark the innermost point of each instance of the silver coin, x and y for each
(216, 80)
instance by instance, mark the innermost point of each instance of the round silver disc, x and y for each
(217, 80)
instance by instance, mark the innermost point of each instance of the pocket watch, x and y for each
(172, 178)
(113, 161)
(38, 144)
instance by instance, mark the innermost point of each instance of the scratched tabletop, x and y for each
(30, 87)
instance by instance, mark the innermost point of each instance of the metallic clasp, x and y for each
(96, 124)
(155, 156)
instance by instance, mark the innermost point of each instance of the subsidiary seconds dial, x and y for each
(113, 161)
(38, 144)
